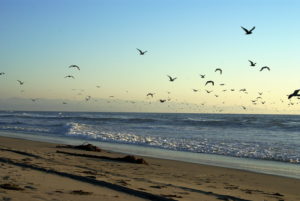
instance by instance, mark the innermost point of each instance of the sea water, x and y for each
(263, 143)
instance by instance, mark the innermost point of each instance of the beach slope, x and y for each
(32, 170)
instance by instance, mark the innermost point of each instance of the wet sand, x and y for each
(32, 170)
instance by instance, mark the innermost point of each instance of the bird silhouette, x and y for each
(222, 84)
(252, 63)
(141, 52)
(87, 98)
(219, 69)
(20, 82)
(208, 91)
(260, 93)
(248, 31)
(2, 73)
(64, 103)
(74, 66)
(195, 90)
(150, 94)
(295, 93)
(244, 107)
(202, 76)
(265, 67)
(162, 100)
(171, 79)
(69, 76)
(210, 82)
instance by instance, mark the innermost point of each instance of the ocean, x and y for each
(244, 141)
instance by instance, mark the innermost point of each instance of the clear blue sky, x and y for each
(40, 39)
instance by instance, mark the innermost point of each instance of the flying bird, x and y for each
(244, 107)
(208, 91)
(222, 84)
(162, 100)
(195, 90)
(64, 103)
(248, 31)
(150, 94)
(2, 73)
(20, 82)
(295, 93)
(202, 76)
(69, 76)
(219, 69)
(252, 63)
(87, 98)
(74, 66)
(265, 67)
(210, 82)
(171, 79)
(260, 93)
(141, 52)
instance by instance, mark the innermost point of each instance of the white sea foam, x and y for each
(199, 145)
(249, 136)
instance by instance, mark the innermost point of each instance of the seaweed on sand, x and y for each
(9, 186)
(85, 146)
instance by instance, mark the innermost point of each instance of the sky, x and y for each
(184, 38)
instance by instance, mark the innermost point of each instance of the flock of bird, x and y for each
(202, 76)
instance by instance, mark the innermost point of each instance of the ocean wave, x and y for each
(79, 118)
(235, 148)
(249, 136)
(197, 121)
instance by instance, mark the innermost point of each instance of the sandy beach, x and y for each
(44, 171)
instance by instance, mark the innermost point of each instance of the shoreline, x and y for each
(166, 179)
(276, 168)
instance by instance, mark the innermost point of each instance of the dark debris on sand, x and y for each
(81, 192)
(133, 159)
(9, 186)
(84, 146)
(127, 159)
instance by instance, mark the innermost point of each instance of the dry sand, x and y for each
(36, 171)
